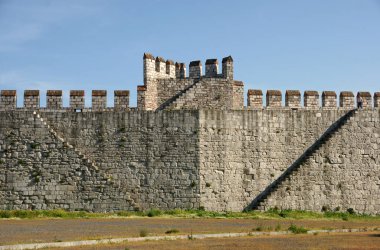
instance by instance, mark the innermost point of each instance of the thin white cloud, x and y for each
(25, 21)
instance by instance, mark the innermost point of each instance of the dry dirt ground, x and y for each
(16, 231)
(351, 241)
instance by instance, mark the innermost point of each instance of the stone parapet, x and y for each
(255, 98)
(274, 98)
(32, 99)
(228, 67)
(160, 65)
(376, 99)
(8, 99)
(311, 99)
(346, 99)
(99, 100)
(367, 98)
(212, 66)
(54, 99)
(121, 99)
(328, 99)
(293, 99)
(195, 69)
(77, 99)
(170, 69)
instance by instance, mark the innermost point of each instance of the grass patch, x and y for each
(172, 231)
(191, 213)
(154, 212)
(143, 233)
(297, 230)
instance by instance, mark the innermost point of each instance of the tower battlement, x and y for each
(165, 81)
(159, 68)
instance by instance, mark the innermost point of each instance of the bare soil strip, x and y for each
(24, 231)
(155, 238)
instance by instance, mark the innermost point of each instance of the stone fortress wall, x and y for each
(185, 147)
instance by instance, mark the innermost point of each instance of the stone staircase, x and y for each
(180, 97)
(186, 97)
(54, 133)
(85, 159)
(260, 201)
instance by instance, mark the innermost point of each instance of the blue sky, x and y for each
(276, 44)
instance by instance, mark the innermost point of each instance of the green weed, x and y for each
(172, 231)
(143, 233)
(297, 230)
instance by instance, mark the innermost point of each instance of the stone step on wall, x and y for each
(324, 139)
(49, 174)
(61, 138)
(188, 95)
(212, 93)
(142, 150)
(341, 174)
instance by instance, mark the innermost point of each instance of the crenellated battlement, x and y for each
(154, 93)
(8, 100)
(274, 99)
(311, 99)
(167, 86)
(159, 68)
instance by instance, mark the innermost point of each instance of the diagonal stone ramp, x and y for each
(260, 200)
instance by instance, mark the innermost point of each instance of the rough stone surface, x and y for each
(31, 99)
(77, 99)
(293, 99)
(342, 174)
(311, 99)
(274, 98)
(328, 99)
(220, 160)
(346, 100)
(376, 99)
(54, 99)
(121, 99)
(99, 100)
(166, 89)
(255, 98)
(367, 99)
(144, 160)
(8, 99)
(198, 147)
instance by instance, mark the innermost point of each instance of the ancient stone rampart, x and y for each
(99, 161)
(190, 143)
(219, 160)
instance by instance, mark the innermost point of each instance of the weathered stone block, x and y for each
(195, 69)
(32, 99)
(329, 99)
(54, 99)
(212, 67)
(311, 99)
(228, 67)
(121, 99)
(274, 98)
(346, 99)
(8, 99)
(255, 98)
(77, 100)
(376, 99)
(293, 99)
(367, 98)
(99, 100)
